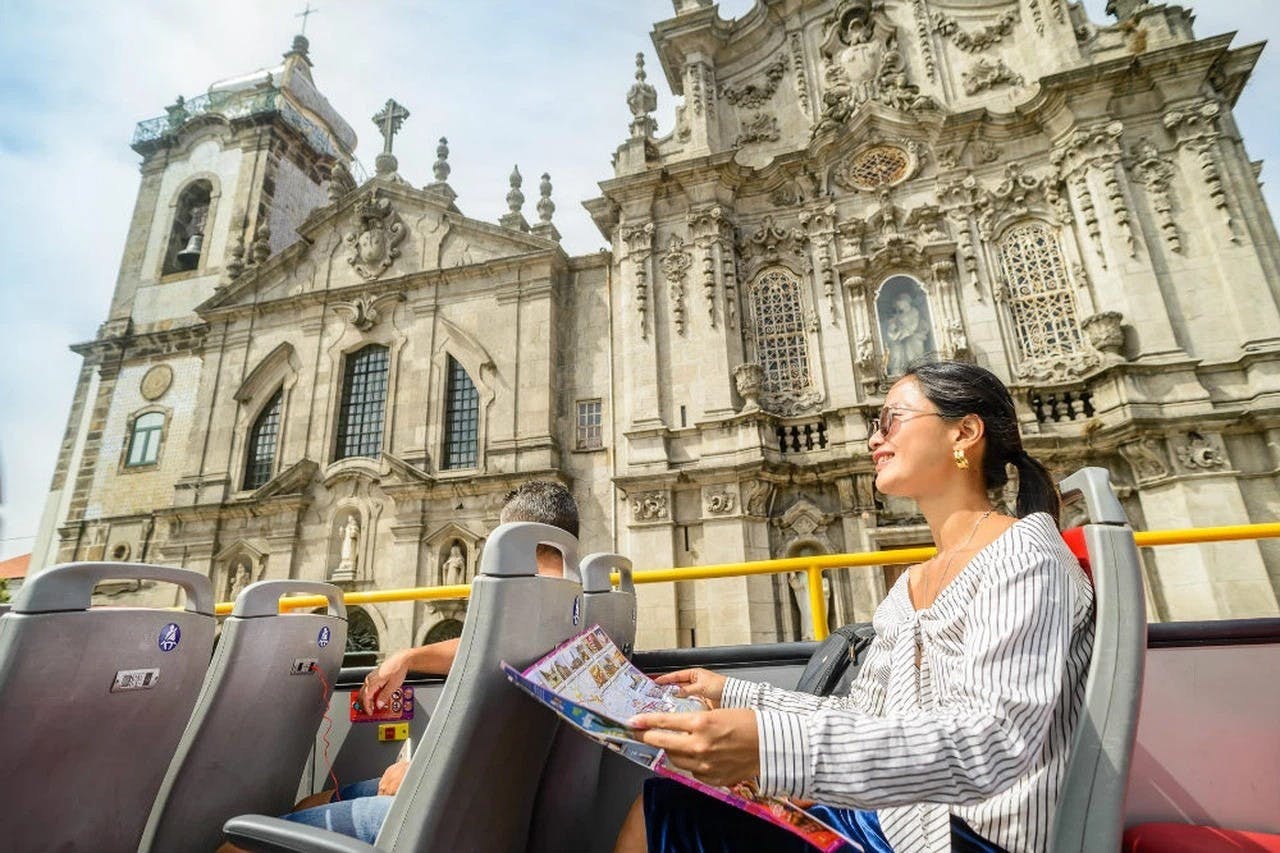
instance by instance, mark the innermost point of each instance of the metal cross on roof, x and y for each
(388, 120)
(304, 14)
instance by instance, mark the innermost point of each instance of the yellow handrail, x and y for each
(811, 566)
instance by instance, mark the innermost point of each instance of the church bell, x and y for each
(189, 256)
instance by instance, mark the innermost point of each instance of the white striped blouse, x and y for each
(980, 729)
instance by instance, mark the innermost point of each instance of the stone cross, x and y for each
(388, 120)
(304, 14)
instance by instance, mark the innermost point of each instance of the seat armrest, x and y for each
(262, 834)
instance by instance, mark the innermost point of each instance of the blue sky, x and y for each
(538, 84)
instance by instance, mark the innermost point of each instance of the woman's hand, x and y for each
(391, 779)
(720, 747)
(375, 693)
(696, 683)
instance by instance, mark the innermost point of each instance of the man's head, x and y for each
(546, 503)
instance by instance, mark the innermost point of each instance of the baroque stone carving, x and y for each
(771, 244)
(1196, 128)
(642, 99)
(1146, 457)
(757, 93)
(757, 497)
(638, 240)
(720, 501)
(1104, 333)
(922, 34)
(985, 74)
(975, 41)
(878, 165)
(1156, 174)
(802, 79)
(1037, 15)
(761, 127)
(649, 506)
(365, 311)
(379, 231)
(749, 380)
(1201, 453)
(675, 268)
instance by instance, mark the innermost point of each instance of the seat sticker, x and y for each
(323, 639)
(170, 636)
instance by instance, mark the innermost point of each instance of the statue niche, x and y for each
(453, 567)
(348, 550)
(906, 325)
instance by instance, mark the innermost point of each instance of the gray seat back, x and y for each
(472, 781)
(1090, 814)
(563, 810)
(267, 689)
(92, 703)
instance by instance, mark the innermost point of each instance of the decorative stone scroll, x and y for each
(985, 74)
(757, 93)
(638, 240)
(720, 500)
(365, 311)
(1196, 128)
(1157, 175)
(1148, 459)
(712, 232)
(761, 127)
(675, 268)
(797, 65)
(922, 35)
(1198, 452)
(649, 506)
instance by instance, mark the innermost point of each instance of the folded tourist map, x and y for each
(589, 683)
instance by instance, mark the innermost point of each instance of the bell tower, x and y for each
(226, 177)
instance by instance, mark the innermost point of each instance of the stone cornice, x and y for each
(138, 345)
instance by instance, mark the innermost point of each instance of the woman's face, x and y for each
(916, 457)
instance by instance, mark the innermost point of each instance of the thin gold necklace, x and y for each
(937, 587)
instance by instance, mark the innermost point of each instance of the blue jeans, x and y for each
(355, 810)
(679, 819)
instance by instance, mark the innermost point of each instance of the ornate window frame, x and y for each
(1063, 363)
(387, 334)
(798, 399)
(465, 349)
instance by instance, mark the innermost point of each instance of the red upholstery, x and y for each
(1189, 838)
(1074, 537)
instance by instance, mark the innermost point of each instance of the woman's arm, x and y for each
(991, 731)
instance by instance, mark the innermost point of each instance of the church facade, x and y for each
(306, 375)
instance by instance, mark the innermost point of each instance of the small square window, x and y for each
(590, 420)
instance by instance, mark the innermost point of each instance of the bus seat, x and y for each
(1074, 537)
(267, 689)
(472, 781)
(563, 811)
(94, 701)
(1090, 814)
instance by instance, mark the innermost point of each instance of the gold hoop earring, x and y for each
(962, 461)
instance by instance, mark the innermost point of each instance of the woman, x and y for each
(957, 728)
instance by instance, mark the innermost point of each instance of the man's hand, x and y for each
(720, 747)
(697, 683)
(391, 779)
(375, 693)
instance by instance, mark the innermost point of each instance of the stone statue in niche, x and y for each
(240, 576)
(348, 555)
(454, 570)
(905, 327)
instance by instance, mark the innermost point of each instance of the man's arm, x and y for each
(433, 659)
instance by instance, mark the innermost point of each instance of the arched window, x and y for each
(446, 629)
(1039, 293)
(461, 418)
(781, 347)
(144, 442)
(362, 634)
(260, 457)
(364, 403)
(186, 237)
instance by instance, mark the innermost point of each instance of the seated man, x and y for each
(358, 809)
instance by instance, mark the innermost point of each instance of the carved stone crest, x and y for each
(1201, 452)
(719, 500)
(379, 230)
(365, 311)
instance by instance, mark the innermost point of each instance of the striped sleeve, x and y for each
(988, 734)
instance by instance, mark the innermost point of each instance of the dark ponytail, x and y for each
(958, 389)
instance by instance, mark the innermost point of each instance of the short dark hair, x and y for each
(541, 501)
(958, 388)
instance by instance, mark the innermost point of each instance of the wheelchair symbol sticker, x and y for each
(577, 609)
(170, 636)
(323, 639)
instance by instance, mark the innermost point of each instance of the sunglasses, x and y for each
(890, 417)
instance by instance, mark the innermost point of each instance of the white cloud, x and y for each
(538, 84)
